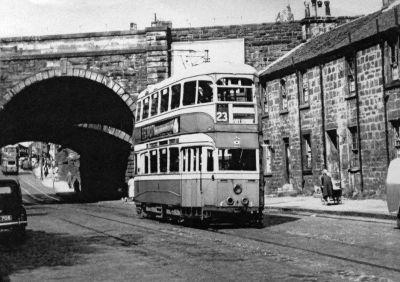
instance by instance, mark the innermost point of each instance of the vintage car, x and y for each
(393, 188)
(12, 212)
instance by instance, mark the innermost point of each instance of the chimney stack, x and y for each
(327, 9)
(133, 27)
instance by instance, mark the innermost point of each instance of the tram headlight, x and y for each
(230, 201)
(238, 189)
(245, 201)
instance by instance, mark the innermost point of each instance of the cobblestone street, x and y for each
(107, 242)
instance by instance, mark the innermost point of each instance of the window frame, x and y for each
(283, 95)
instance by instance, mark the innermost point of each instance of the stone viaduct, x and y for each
(79, 90)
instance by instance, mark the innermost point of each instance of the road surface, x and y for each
(107, 241)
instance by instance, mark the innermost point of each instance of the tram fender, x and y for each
(393, 186)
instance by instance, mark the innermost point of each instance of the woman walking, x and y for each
(326, 186)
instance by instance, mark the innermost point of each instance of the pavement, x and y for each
(375, 208)
(58, 186)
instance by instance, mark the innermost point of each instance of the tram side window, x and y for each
(154, 104)
(210, 160)
(173, 159)
(146, 163)
(237, 159)
(163, 160)
(153, 161)
(139, 111)
(176, 96)
(189, 93)
(205, 92)
(146, 108)
(164, 100)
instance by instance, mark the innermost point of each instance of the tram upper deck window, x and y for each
(176, 96)
(146, 107)
(237, 159)
(164, 100)
(204, 92)
(139, 111)
(235, 89)
(154, 104)
(189, 93)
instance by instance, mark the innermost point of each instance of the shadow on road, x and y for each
(41, 249)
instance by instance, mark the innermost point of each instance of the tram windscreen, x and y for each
(237, 159)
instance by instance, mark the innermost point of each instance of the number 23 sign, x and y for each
(222, 113)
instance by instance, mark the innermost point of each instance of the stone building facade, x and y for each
(333, 102)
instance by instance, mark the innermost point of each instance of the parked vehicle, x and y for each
(9, 159)
(393, 188)
(12, 211)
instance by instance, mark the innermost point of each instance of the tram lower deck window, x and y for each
(173, 159)
(237, 159)
(153, 161)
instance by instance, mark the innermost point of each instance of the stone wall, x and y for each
(347, 125)
(264, 43)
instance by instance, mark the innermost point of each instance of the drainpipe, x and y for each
(300, 132)
(384, 100)
(358, 120)
(321, 83)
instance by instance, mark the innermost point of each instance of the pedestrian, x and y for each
(326, 186)
(131, 188)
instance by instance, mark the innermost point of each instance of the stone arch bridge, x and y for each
(79, 91)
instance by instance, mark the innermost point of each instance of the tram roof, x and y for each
(203, 69)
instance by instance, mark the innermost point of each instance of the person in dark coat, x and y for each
(326, 186)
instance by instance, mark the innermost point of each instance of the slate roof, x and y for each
(339, 38)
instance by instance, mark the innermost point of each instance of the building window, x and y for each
(392, 60)
(354, 147)
(307, 153)
(395, 139)
(283, 93)
(267, 152)
(265, 97)
(304, 87)
(351, 77)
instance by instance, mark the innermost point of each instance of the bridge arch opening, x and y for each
(84, 113)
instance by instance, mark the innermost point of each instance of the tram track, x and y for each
(183, 233)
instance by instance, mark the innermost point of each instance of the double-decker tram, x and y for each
(196, 145)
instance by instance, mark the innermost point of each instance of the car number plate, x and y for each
(5, 217)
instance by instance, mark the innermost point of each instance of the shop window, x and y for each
(351, 74)
(176, 96)
(173, 159)
(163, 160)
(267, 152)
(154, 104)
(283, 93)
(304, 88)
(189, 93)
(354, 146)
(307, 152)
(204, 92)
(164, 100)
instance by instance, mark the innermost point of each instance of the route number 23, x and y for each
(222, 116)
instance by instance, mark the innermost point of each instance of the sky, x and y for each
(46, 17)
